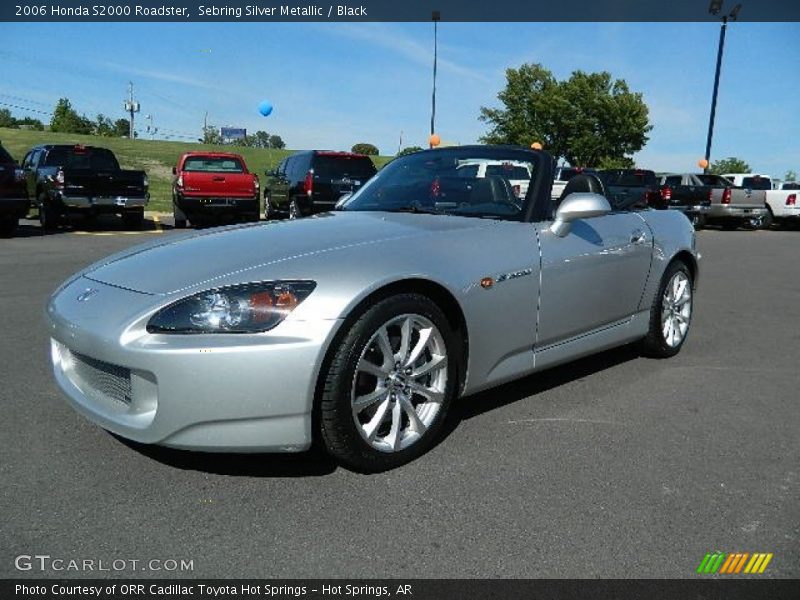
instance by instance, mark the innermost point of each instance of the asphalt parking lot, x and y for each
(614, 466)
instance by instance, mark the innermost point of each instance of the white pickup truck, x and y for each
(782, 205)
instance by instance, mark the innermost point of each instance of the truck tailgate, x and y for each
(85, 182)
(218, 185)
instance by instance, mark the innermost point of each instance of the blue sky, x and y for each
(334, 84)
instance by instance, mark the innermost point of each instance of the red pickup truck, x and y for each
(213, 186)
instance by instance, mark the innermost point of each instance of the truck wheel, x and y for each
(768, 219)
(294, 210)
(699, 222)
(133, 219)
(268, 210)
(48, 216)
(8, 226)
(179, 216)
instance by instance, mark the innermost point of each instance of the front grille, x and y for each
(99, 379)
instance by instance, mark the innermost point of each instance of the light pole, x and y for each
(435, 16)
(714, 8)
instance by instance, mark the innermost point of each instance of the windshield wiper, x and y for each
(415, 207)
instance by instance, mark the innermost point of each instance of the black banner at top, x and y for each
(394, 10)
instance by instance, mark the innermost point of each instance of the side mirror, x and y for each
(174, 170)
(578, 206)
(342, 201)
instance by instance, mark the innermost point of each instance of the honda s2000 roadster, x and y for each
(360, 327)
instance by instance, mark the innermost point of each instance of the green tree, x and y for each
(364, 148)
(122, 128)
(103, 126)
(30, 123)
(6, 120)
(211, 135)
(276, 142)
(587, 119)
(67, 120)
(791, 175)
(260, 139)
(409, 150)
(729, 165)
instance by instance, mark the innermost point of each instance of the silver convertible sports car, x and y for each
(360, 327)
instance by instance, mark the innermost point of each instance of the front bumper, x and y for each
(111, 203)
(731, 211)
(216, 392)
(14, 207)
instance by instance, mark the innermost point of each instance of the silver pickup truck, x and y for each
(735, 203)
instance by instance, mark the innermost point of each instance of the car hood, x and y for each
(200, 260)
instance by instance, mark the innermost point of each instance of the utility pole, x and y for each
(435, 17)
(131, 107)
(714, 8)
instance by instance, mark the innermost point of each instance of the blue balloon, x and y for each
(265, 108)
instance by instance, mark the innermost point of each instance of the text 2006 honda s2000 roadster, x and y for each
(361, 326)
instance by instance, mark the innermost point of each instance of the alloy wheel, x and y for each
(399, 383)
(676, 309)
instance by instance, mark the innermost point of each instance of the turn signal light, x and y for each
(726, 196)
(308, 183)
(791, 200)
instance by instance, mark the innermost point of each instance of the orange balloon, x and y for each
(434, 140)
(702, 163)
(536, 145)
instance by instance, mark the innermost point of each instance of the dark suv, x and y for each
(313, 181)
(13, 197)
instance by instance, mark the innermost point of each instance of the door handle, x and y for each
(638, 237)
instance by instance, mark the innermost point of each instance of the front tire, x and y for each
(671, 313)
(386, 392)
(48, 215)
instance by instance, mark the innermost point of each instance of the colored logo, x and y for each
(734, 563)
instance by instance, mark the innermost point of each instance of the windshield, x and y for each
(757, 183)
(79, 157)
(468, 181)
(213, 164)
(344, 165)
(714, 180)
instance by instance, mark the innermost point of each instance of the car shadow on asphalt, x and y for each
(312, 463)
(475, 405)
(316, 463)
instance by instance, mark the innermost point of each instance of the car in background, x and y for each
(632, 188)
(687, 193)
(313, 181)
(209, 187)
(517, 174)
(738, 199)
(13, 197)
(74, 179)
(563, 175)
(362, 328)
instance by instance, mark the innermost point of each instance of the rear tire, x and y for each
(179, 216)
(294, 210)
(387, 389)
(699, 222)
(48, 216)
(268, 211)
(671, 313)
(8, 226)
(133, 219)
(768, 220)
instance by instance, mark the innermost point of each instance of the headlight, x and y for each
(249, 308)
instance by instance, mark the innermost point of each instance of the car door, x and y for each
(29, 167)
(594, 276)
(278, 186)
